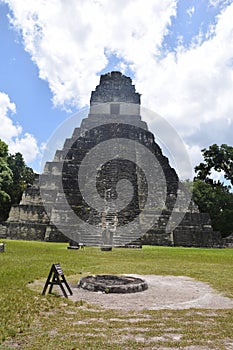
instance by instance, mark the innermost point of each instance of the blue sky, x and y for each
(179, 54)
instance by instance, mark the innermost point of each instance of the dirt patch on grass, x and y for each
(164, 292)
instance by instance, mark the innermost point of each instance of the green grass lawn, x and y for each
(32, 321)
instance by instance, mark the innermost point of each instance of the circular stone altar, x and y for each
(113, 284)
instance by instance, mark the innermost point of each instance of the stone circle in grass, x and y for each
(113, 284)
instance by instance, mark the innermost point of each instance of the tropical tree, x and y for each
(22, 176)
(218, 158)
(15, 176)
(6, 180)
(217, 200)
(214, 196)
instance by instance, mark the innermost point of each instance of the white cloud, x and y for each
(191, 11)
(70, 42)
(219, 3)
(12, 133)
(27, 145)
(193, 87)
(194, 152)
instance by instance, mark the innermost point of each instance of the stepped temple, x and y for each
(110, 184)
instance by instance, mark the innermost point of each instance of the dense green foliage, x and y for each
(215, 197)
(218, 158)
(14, 178)
(32, 321)
(217, 200)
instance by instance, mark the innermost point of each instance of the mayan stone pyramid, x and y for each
(110, 184)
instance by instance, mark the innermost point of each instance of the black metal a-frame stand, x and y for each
(56, 277)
